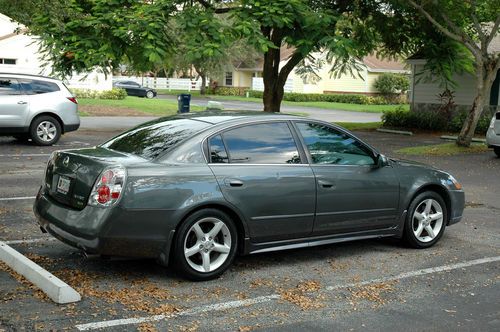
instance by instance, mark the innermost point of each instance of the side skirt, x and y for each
(254, 248)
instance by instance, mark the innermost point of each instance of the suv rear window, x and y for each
(155, 138)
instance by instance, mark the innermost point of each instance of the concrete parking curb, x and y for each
(55, 288)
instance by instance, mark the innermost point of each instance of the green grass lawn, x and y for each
(445, 149)
(153, 106)
(359, 126)
(317, 104)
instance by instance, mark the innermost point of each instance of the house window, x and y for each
(4, 61)
(229, 79)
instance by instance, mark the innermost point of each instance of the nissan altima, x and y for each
(196, 190)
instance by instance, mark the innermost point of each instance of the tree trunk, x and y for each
(203, 88)
(485, 76)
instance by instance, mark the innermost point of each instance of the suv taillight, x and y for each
(108, 187)
(73, 100)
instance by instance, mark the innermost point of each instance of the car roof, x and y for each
(220, 117)
(21, 75)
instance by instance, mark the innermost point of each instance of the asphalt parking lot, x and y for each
(374, 285)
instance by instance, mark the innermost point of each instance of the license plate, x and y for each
(63, 185)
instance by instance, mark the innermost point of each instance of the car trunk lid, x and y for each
(71, 174)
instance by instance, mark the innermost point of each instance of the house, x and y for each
(424, 94)
(19, 54)
(250, 77)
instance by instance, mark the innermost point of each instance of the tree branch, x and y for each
(457, 37)
(288, 67)
(222, 10)
(493, 31)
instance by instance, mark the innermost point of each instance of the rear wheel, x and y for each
(205, 245)
(45, 130)
(497, 150)
(150, 94)
(426, 220)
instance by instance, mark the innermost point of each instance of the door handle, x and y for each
(325, 184)
(22, 102)
(234, 182)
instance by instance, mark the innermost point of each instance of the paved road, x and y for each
(364, 285)
(315, 113)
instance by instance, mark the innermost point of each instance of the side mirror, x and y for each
(382, 161)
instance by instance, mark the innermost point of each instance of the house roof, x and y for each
(383, 65)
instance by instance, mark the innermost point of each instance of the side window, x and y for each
(267, 143)
(330, 146)
(40, 87)
(217, 150)
(8, 86)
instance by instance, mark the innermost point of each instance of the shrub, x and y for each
(389, 83)
(228, 91)
(332, 98)
(431, 121)
(96, 94)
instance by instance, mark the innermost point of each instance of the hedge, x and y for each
(96, 94)
(431, 121)
(333, 98)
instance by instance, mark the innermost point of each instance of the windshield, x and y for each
(155, 138)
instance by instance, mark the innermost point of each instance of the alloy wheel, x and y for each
(207, 244)
(427, 220)
(46, 131)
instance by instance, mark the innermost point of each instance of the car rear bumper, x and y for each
(492, 139)
(71, 127)
(457, 200)
(105, 231)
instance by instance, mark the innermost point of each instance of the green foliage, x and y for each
(431, 121)
(114, 94)
(228, 91)
(389, 83)
(332, 98)
(100, 33)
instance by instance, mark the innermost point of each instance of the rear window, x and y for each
(38, 87)
(155, 138)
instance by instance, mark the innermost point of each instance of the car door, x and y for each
(14, 104)
(261, 171)
(354, 194)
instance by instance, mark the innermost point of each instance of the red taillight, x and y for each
(108, 187)
(103, 194)
(73, 100)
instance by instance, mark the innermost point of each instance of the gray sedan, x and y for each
(196, 190)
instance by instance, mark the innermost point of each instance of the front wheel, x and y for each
(426, 220)
(496, 149)
(205, 245)
(150, 94)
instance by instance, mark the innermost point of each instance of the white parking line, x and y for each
(28, 241)
(16, 198)
(262, 299)
(26, 155)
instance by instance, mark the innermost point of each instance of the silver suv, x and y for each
(36, 107)
(493, 134)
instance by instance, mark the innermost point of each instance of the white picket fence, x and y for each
(185, 84)
(258, 84)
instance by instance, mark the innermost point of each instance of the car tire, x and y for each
(150, 94)
(496, 149)
(205, 245)
(426, 220)
(45, 130)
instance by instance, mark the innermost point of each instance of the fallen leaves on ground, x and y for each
(372, 292)
(300, 295)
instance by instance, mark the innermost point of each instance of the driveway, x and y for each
(313, 112)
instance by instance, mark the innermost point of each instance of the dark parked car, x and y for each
(135, 89)
(197, 189)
